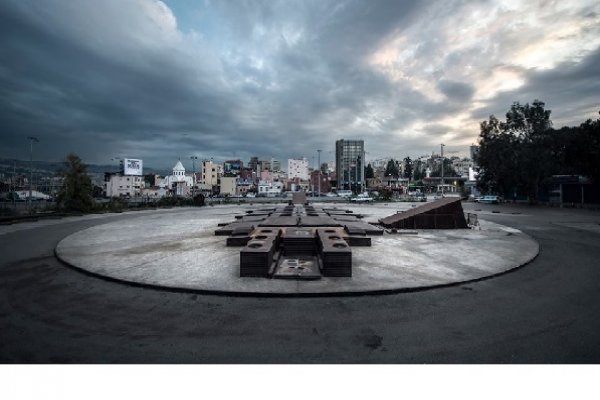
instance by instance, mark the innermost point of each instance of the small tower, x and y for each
(178, 172)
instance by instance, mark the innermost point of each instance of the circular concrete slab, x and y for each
(179, 250)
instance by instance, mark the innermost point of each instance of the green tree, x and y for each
(392, 169)
(497, 158)
(532, 127)
(418, 173)
(76, 191)
(408, 168)
(369, 173)
(581, 150)
(448, 169)
(518, 154)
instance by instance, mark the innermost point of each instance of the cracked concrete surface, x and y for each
(179, 250)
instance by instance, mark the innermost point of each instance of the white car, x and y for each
(488, 199)
(362, 198)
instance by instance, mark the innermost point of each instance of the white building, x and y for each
(118, 185)
(178, 176)
(178, 182)
(298, 168)
(269, 189)
(462, 167)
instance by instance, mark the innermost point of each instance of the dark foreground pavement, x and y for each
(545, 312)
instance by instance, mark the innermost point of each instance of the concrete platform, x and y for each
(180, 251)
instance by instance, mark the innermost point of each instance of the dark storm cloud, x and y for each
(266, 78)
(61, 90)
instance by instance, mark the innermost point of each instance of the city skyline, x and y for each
(166, 80)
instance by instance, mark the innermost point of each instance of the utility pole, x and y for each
(14, 185)
(363, 182)
(31, 140)
(356, 174)
(319, 167)
(193, 158)
(442, 147)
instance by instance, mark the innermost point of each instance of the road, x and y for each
(544, 312)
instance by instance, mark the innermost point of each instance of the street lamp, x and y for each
(31, 140)
(319, 168)
(442, 177)
(193, 158)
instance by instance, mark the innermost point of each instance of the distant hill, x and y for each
(48, 168)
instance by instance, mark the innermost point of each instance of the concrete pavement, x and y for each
(545, 312)
(180, 251)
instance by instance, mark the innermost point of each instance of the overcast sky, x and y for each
(231, 79)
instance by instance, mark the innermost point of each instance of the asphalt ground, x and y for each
(544, 312)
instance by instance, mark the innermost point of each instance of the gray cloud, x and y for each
(570, 90)
(456, 91)
(273, 79)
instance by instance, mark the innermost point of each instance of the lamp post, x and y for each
(193, 158)
(14, 185)
(356, 174)
(31, 140)
(442, 177)
(319, 168)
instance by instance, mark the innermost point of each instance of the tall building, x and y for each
(473, 152)
(211, 173)
(253, 164)
(298, 168)
(349, 164)
(264, 165)
(275, 165)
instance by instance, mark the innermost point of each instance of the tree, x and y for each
(369, 173)
(418, 173)
(517, 154)
(448, 169)
(76, 191)
(532, 127)
(408, 168)
(392, 169)
(581, 150)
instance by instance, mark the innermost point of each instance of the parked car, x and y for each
(362, 198)
(489, 200)
(344, 193)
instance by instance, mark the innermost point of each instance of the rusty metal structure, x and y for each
(445, 213)
(300, 241)
(297, 241)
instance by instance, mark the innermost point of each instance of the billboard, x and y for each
(232, 167)
(132, 166)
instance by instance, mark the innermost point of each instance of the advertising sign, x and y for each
(132, 166)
